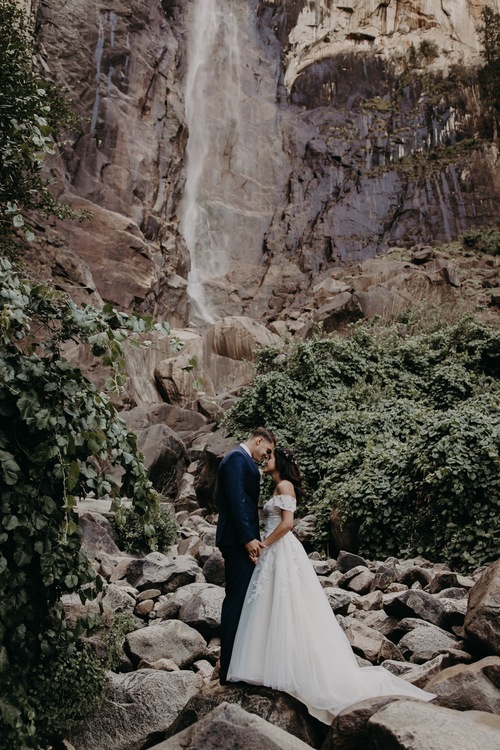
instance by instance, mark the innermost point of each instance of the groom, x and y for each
(238, 537)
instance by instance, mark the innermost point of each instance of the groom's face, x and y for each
(261, 449)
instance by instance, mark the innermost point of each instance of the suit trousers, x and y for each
(238, 570)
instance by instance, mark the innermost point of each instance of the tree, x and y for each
(489, 74)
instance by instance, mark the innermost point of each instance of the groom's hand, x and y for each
(254, 549)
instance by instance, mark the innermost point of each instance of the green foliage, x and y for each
(114, 634)
(489, 75)
(484, 240)
(31, 114)
(428, 49)
(66, 687)
(59, 437)
(159, 534)
(400, 434)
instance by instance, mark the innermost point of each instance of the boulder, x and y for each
(168, 575)
(417, 604)
(416, 725)
(213, 569)
(228, 727)
(442, 580)
(370, 644)
(97, 535)
(170, 639)
(482, 621)
(203, 610)
(164, 455)
(418, 675)
(275, 707)
(347, 560)
(117, 599)
(338, 600)
(469, 687)
(349, 729)
(167, 607)
(424, 643)
(135, 708)
(237, 337)
(384, 576)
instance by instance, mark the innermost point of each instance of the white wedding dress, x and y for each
(289, 639)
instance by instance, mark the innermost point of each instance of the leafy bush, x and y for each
(484, 240)
(31, 114)
(428, 49)
(159, 534)
(66, 687)
(58, 437)
(399, 434)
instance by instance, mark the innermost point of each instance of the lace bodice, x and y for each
(273, 508)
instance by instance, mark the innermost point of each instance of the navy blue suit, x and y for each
(238, 489)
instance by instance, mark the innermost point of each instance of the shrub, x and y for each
(400, 434)
(428, 49)
(484, 240)
(159, 534)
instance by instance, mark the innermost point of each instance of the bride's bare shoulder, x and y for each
(284, 487)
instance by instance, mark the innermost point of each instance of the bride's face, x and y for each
(270, 464)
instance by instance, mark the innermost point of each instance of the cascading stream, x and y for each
(233, 150)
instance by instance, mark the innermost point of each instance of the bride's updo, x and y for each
(288, 468)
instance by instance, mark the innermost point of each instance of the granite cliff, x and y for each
(233, 153)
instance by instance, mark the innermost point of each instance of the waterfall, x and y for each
(233, 153)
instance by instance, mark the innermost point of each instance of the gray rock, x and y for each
(371, 644)
(424, 643)
(361, 583)
(469, 687)
(415, 725)
(171, 639)
(168, 575)
(417, 604)
(167, 607)
(116, 599)
(385, 575)
(228, 727)
(97, 536)
(442, 580)
(349, 729)
(417, 675)
(164, 454)
(275, 707)
(482, 622)
(415, 573)
(213, 569)
(203, 610)
(338, 599)
(348, 560)
(135, 708)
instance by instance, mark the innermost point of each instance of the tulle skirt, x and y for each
(289, 639)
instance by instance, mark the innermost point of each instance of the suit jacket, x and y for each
(238, 489)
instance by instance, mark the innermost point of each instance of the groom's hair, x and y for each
(264, 433)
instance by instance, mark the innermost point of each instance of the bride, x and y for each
(288, 637)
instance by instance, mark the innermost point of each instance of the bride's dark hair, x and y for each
(288, 468)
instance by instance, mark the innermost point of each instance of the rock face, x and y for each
(482, 622)
(328, 136)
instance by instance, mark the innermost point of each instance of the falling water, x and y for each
(97, 57)
(231, 167)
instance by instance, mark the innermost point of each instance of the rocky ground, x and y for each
(424, 622)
